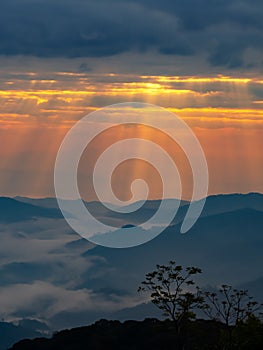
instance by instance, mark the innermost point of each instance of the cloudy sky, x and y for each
(200, 59)
(59, 60)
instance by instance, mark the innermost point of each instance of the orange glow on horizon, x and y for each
(222, 110)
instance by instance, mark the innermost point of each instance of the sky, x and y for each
(60, 60)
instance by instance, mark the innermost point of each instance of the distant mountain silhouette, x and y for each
(226, 242)
(227, 246)
(221, 239)
(12, 210)
(215, 204)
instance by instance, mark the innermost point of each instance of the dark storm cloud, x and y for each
(221, 29)
(80, 28)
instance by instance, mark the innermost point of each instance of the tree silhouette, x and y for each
(234, 308)
(172, 289)
(230, 305)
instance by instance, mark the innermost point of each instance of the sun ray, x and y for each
(36, 111)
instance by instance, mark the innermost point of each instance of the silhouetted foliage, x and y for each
(169, 287)
(234, 320)
(230, 305)
(234, 308)
(172, 289)
(248, 335)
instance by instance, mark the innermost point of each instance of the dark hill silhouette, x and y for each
(130, 335)
(150, 334)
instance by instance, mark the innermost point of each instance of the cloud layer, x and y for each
(227, 32)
